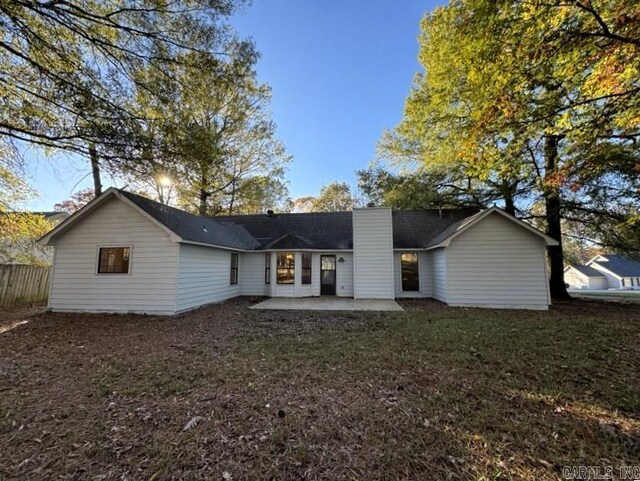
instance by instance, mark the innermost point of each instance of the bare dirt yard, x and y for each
(228, 393)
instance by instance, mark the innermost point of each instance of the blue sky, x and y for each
(339, 71)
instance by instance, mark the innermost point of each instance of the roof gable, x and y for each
(290, 241)
(85, 211)
(315, 231)
(454, 230)
(418, 228)
(181, 226)
(584, 270)
(618, 264)
(423, 229)
(194, 228)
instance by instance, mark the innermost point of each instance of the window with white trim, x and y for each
(306, 268)
(410, 274)
(267, 268)
(113, 260)
(286, 268)
(233, 276)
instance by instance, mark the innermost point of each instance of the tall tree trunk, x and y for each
(232, 201)
(551, 193)
(204, 195)
(509, 202)
(95, 169)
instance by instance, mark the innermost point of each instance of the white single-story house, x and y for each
(584, 277)
(606, 271)
(126, 253)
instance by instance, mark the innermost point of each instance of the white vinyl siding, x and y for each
(373, 254)
(344, 277)
(426, 284)
(497, 263)
(613, 281)
(252, 273)
(203, 276)
(599, 283)
(438, 261)
(149, 287)
(577, 280)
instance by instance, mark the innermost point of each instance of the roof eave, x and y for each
(617, 276)
(214, 246)
(548, 240)
(84, 211)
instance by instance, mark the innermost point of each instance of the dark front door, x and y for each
(328, 275)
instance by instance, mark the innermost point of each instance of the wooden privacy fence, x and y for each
(22, 284)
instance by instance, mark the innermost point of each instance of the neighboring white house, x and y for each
(126, 253)
(584, 277)
(612, 271)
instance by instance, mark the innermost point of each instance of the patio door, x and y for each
(327, 275)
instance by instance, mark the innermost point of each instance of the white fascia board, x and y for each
(91, 206)
(549, 241)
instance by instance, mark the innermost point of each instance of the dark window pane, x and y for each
(267, 268)
(113, 260)
(233, 276)
(306, 268)
(327, 277)
(286, 268)
(410, 275)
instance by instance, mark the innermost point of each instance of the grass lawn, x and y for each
(622, 296)
(230, 393)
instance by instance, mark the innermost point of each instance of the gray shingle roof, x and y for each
(620, 265)
(587, 271)
(412, 229)
(419, 228)
(318, 230)
(194, 228)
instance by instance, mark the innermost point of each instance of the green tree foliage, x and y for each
(538, 100)
(68, 67)
(145, 90)
(210, 131)
(424, 189)
(13, 189)
(19, 230)
(19, 233)
(333, 197)
(259, 193)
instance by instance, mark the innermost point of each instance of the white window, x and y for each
(114, 260)
(233, 276)
(286, 268)
(410, 271)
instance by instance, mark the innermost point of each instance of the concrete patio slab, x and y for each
(328, 304)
